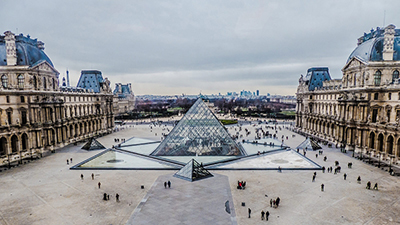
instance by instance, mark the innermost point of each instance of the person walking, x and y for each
(262, 214)
(278, 200)
(81, 176)
(270, 202)
(165, 184)
(344, 176)
(313, 178)
(376, 186)
(169, 184)
(117, 197)
(359, 179)
(266, 215)
(67, 162)
(322, 187)
(92, 176)
(249, 210)
(368, 185)
(70, 160)
(99, 184)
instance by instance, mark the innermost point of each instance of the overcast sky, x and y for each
(175, 47)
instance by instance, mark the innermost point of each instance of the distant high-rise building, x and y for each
(258, 92)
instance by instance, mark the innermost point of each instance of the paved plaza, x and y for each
(46, 191)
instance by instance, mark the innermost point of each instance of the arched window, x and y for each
(21, 80)
(395, 76)
(4, 81)
(377, 78)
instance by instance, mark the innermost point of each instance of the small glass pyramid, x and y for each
(93, 144)
(193, 171)
(309, 144)
(199, 133)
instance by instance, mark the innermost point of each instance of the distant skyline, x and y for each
(175, 47)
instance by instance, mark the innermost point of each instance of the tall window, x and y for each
(44, 83)
(390, 96)
(21, 80)
(23, 117)
(22, 99)
(388, 114)
(4, 81)
(9, 117)
(374, 115)
(34, 82)
(376, 95)
(395, 76)
(377, 78)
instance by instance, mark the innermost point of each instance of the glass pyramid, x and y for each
(93, 144)
(199, 133)
(309, 144)
(193, 171)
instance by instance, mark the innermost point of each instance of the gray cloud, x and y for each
(173, 47)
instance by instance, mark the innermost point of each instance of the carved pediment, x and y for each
(45, 66)
(354, 62)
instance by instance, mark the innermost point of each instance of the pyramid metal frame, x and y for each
(193, 171)
(199, 133)
(309, 143)
(93, 144)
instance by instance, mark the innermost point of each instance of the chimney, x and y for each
(388, 38)
(11, 48)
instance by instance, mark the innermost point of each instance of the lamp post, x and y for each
(369, 159)
(379, 159)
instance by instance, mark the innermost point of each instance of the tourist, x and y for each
(81, 176)
(313, 178)
(117, 197)
(344, 176)
(278, 200)
(92, 176)
(270, 202)
(325, 158)
(67, 162)
(70, 160)
(249, 210)
(322, 187)
(105, 196)
(262, 214)
(169, 184)
(316, 155)
(99, 184)
(266, 215)
(108, 197)
(376, 186)
(323, 169)
(359, 179)
(165, 184)
(368, 185)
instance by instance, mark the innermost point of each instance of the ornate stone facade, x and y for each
(36, 115)
(124, 99)
(361, 111)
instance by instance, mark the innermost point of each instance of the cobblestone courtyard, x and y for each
(45, 191)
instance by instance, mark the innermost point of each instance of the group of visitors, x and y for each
(241, 185)
(167, 183)
(69, 160)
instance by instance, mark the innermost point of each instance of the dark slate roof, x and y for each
(315, 76)
(372, 46)
(28, 52)
(90, 79)
(124, 92)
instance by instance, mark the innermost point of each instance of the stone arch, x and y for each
(14, 143)
(398, 148)
(380, 142)
(372, 140)
(389, 145)
(3, 146)
(24, 142)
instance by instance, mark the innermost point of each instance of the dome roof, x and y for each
(371, 46)
(29, 51)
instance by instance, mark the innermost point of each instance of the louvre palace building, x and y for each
(36, 115)
(360, 111)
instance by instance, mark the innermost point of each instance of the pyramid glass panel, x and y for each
(192, 171)
(199, 133)
(93, 144)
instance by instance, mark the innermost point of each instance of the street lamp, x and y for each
(379, 159)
